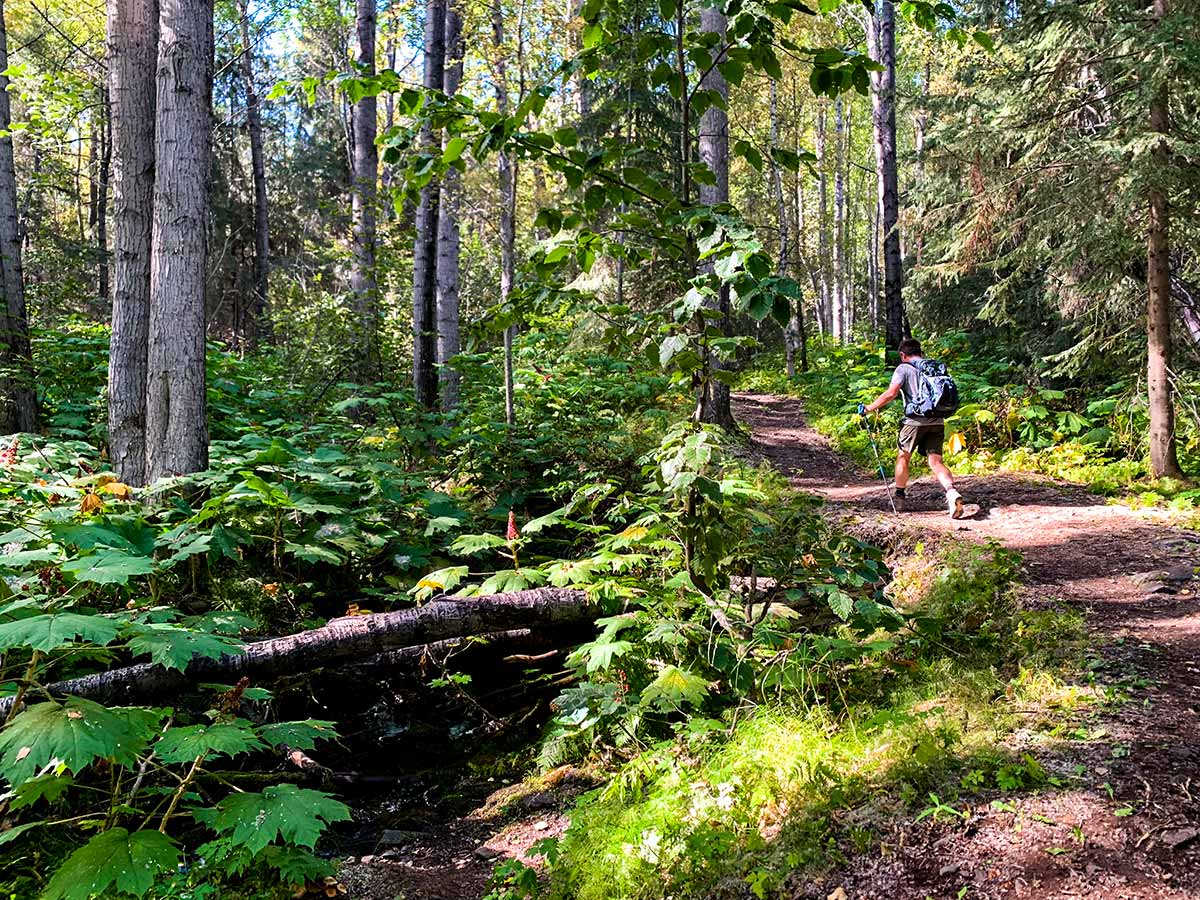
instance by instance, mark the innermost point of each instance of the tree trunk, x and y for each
(338, 642)
(1164, 461)
(791, 335)
(18, 404)
(839, 226)
(176, 423)
(448, 235)
(103, 177)
(507, 174)
(823, 242)
(425, 377)
(260, 319)
(364, 290)
(882, 37)
(132, 59)
(713, 406)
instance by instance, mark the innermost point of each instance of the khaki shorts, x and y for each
(925, 439)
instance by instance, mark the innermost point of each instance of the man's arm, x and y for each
(883, 399)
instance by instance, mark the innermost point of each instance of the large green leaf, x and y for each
(174, 647)
(76, 733)
(51, 631)
(108, 567)
(297, 815)
(301, 735)
(222, 739)
(114, 861)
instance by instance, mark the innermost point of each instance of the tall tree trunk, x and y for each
(132, 60)
(823, 250)
(839, 225)
(260, 320)
(364, 289)
(18, 405)
(448, 235)
(176, 422)
(1164, 460)
(102, 181)
(848, 256)
(791, 333)
(882, 37)
(920, 122)
(714, 405)
(425, 377)
(507, 174)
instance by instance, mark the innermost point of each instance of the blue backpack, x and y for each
(937, 394)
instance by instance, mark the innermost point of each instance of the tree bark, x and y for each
(132, 58)
(839, 225)
(18, 404)
(713, 406)
(448, 234)
(506, 171)
(260, 319)
(425, 378)
(176, 415)
(364, 290)
(823, 241)
(882, 38)
(103, 179)
(338, 642)
(791, 336)
(1164, 460)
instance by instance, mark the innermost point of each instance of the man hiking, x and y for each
(926, 432)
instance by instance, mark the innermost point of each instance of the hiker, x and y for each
(924, 425)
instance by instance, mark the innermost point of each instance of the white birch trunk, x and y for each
(448, 233)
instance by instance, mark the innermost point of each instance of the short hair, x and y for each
(910, 347)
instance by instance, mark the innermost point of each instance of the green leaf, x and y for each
(174, 647)
(76, 733)
(984, 40)
(48, 787)
(469, 544)
(600, 654)
(675, 687)
(108, 567)
(222, 739)
(115, 859)
(296, 815)
(302, 735)
(49, 632)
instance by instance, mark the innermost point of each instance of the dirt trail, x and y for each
(1128, 824)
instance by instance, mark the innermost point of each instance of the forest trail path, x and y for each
(1133, 575)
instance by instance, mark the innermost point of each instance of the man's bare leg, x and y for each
(945, 478)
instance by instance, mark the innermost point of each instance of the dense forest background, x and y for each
(323, 309)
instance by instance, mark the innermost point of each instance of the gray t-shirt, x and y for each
(908, 378)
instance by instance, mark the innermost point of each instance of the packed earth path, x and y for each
(1126, 821)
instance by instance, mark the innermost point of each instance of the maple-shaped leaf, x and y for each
(297, 815)
(114, 861)
(108, 567)
(675, 687)
(302, 735)
(223, 739)
(174, 647)
(49, 787)
(76, 733)
(51, 631)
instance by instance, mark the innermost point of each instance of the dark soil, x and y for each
(1128, 826)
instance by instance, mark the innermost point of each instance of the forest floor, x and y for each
(1126, 826)
(1133, 575)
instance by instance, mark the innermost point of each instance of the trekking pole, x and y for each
(878, 461)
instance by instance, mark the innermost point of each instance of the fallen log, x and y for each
(512, 646)
(338, 641)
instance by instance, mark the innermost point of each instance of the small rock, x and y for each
(367, 860)
(483, 851)
(1180, 836)
(1092, 868)
(541, 826)
(538, 800)
(839, 893)
(950, 869)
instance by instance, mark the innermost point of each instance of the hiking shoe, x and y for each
(954, 502)
(898, 502)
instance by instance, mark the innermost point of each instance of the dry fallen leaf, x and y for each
(91, 503)
(74, 714)
(118, 489)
